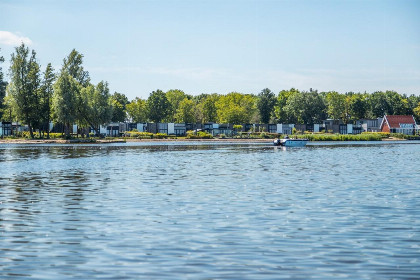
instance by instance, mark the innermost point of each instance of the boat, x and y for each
(287, 142)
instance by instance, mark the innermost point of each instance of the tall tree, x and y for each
(306, 107)
(158, 106)
(336, 103)
(46, 93)
(137, 110)
(236, 108)
(265, 104)
(66, 100)
(208, 108)
(175, 97)
(95, 108)
(119, 110)
(358, 107)
(72, 64)
(279, 108)
(67, 103)
(3, 85)
(186, 111)
(24, 86)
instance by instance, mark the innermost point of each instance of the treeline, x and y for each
(35, 97)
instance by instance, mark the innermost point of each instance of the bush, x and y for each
(199, 135)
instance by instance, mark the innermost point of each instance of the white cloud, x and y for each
(11, 39)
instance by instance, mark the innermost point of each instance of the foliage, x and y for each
(337, 107)
(24, 86)
(280, 106)
(137, 110)
(186, 111)
(235, 108)
(3, 85)
(265, 104)
(307, 107)
(209, 109)
(46, 94)
(119, 103)
(199, 135)
(95, 106)
(175, 97)
(342, 137)
(158, 106)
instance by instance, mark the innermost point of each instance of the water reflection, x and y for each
(246, 211)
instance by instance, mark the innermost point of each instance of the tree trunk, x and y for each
(30, 131)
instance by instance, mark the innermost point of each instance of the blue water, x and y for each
(210, 211)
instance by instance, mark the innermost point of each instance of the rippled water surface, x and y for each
(210, 211)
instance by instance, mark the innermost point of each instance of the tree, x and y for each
(208, 108)
(265, 104)
(158, 106)
(3, 85)
(24, 86)
(137, 110)
(65, 100)
(378, 105)
(236, 108)
(336, 103)
(358, 107)
(119, 110)
(186, 111)
(67, 103)
(46, 93)
(279, 108)
(175, 97)
(72, 64)
(416, 112)
(307, 107)
(95, 108)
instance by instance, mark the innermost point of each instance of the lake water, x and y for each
(210, 211)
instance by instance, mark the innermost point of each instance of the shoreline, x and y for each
(121, 140)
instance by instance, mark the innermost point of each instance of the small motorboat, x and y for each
(287, 142)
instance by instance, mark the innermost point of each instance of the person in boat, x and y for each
(286, 137)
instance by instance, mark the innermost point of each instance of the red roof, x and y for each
(395, 120)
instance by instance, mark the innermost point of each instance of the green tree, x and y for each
(265, 104)
(208, 108)
(186, 111)
(24, 86)
(306, 107)
(72, 64)
(46, 94)
(137, 110)
(358, 107)
(119, 107)
(378, 105)
(66, 100)
(236, 108)
(175, 97)
(158, 106)
(68, 105)
(279, 108)
(336, 103)
(97, 108)
(3, 85)
(416, 112)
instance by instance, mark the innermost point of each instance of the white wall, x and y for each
(171, 128)
(140, 127)
(349, 128)
(316, 127)
(279, 128)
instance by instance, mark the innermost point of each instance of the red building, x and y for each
(399, 124)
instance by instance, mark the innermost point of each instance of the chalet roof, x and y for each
(394, 121)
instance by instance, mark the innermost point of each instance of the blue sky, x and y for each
(224, 46)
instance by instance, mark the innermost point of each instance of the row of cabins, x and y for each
(393, 124)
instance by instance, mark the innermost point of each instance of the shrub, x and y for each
(199, 135)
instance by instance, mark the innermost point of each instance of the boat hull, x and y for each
(291, 142)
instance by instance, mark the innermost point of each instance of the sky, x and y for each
(223, 46)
